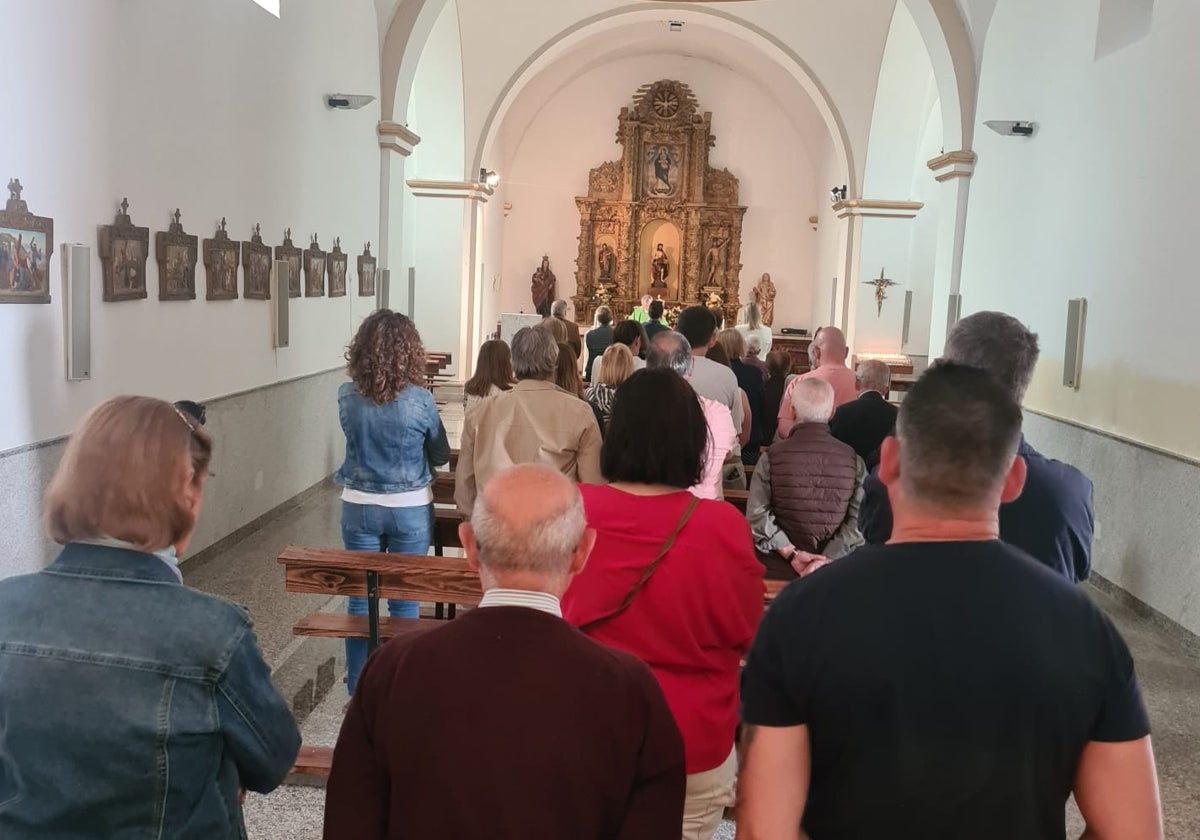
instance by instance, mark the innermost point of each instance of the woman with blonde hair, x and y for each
(751, 324)
(493, 373)
(616, 365)
(131, 704)
(394, 439)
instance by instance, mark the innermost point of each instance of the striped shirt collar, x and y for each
(543, 601)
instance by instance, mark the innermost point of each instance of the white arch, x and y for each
(588, 28)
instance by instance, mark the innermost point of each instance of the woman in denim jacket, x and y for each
(131, 705)
(394, 438)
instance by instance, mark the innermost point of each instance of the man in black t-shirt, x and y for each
(910, 690)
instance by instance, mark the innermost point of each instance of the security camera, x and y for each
(1011, 128)
(348, 101)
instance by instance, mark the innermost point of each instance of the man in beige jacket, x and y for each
(534, 423)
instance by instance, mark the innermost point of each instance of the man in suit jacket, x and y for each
(508, 723)
(559, 311)
(865, 422)
(1052, 519)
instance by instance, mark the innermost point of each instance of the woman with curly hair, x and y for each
(394, 438)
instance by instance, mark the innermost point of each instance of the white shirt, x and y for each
(542, 601)
(409, 498)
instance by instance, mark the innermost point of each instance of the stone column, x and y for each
(953, 172)
(396, 143)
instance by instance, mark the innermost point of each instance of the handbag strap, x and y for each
(647, 572)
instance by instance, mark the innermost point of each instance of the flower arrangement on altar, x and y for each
(714, 301)
(671, 315)
(601, 297)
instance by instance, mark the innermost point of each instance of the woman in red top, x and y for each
(697, 611)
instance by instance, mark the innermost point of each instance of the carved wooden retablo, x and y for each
(660, 220)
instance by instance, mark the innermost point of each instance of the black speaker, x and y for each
(792, 331)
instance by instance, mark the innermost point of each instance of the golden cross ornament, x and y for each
(881, 284)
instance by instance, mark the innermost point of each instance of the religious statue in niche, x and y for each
(256, 266)
(366, 273)
(314, 270)
(294, 257)
(660, 268)
(714, 262)
(175, 250)
(662, 171)
(26, 245)
(124, 248)
(764, 296)
(542, 287)
(337, 269)
(881, 284)
(606, 260)
(221, 258)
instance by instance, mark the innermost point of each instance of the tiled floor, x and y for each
(1168, 667)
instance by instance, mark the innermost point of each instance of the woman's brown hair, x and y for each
(566, 373)
(127, 473)
(779, 363)
(733, 342)
(386, 356)
(494, 367)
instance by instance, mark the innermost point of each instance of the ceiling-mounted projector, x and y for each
(348, 101)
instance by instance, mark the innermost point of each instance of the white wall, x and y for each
(212, 107)
(434, 234)
(1086, 209)
(555, 139)
(895, 167)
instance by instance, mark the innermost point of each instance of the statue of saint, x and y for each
(660, 267)
(715, 260)
(607, 261)
(764, 296)
(542, 288)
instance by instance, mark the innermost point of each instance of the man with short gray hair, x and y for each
(806, 489)
(865, 422)
(671, 350)
(513, 689)
(535, 422)
(1052, 519)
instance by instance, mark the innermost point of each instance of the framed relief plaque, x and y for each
(366, 273)
(337, 269)
(314, 269)
(175, 252)
(256, 267)
(26, 245)
(294, 257)
(124, 248)
(221, 258)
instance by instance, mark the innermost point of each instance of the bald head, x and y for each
(528, 530)
(874, 375)
(829, 347)
(812, 400)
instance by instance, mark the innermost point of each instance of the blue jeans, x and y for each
(375, 528)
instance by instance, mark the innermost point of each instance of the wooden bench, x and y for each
(738, 498)
(314, 761)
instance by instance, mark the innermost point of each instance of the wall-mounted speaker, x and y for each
(281, 302)
(907, 318)
(833, 302)
(77, 309)
(1073, 356)
(412, 292)
(383, 294)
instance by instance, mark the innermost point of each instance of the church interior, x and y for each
(245, 181)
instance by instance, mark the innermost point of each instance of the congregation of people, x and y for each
(931, 670)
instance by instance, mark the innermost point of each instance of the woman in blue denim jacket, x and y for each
(131, 705)
(394, 438)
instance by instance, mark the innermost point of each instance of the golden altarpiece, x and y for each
(660, 220)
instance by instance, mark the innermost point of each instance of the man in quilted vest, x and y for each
(806, 489)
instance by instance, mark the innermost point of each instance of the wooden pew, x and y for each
(443, 488)
(738, 498)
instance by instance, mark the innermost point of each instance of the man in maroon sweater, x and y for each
(507, 722)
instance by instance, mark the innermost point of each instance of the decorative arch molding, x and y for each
(590, 27)
(407, 32)
(952, 55)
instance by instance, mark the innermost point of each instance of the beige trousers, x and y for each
(708, 795)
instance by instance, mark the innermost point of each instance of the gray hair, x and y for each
(753, 345)
(544, 546)
(874, 375)
(812, 400)
(534, 353)
(997, 343)
(559, 309)
(752, 315)
(672, 351)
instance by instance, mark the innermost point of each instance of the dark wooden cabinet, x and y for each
(796, 347)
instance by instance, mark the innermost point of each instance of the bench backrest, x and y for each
(334, 571)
